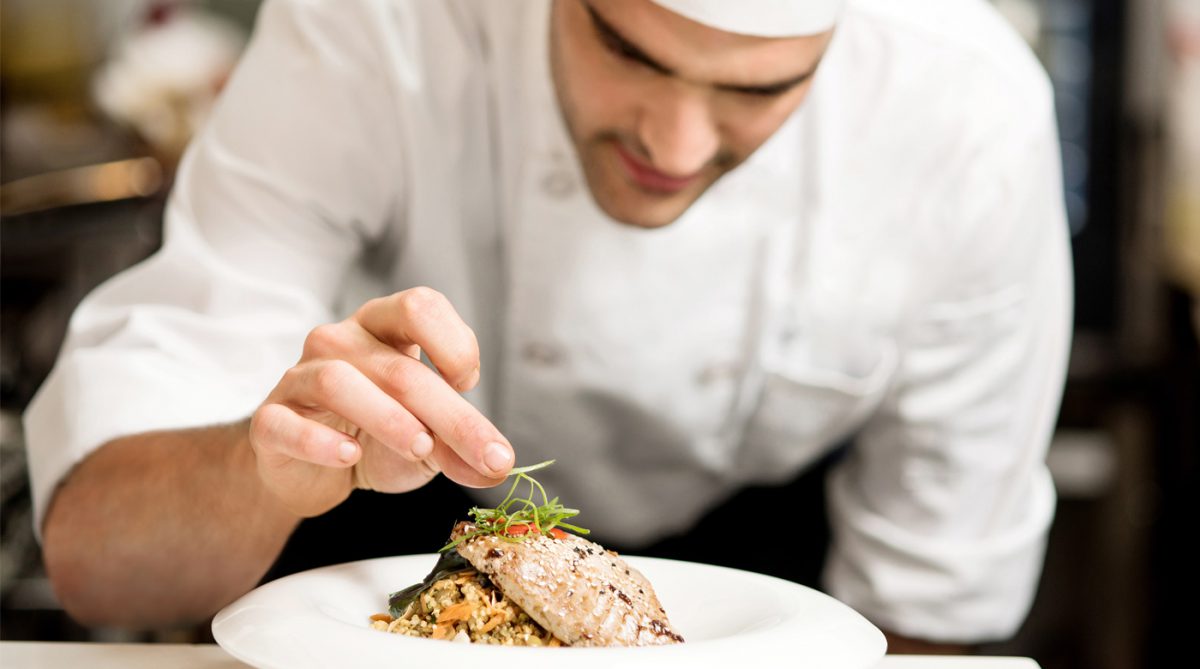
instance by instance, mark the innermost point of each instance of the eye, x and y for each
(763, 92)
(619, 47)
(616, 46)
(772, 92)
(627, 53)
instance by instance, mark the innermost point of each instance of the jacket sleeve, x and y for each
(299, 167)
(941, 510)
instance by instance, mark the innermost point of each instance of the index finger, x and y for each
(448, 415)
(424, 317)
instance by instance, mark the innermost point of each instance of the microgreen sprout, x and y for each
(517, 518)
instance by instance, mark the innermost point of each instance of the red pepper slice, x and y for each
(519, 529)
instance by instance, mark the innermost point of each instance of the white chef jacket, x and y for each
(893, 263)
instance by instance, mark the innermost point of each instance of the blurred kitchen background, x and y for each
(98, 99)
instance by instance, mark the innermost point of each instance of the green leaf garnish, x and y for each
(516, 510)
(447, 565)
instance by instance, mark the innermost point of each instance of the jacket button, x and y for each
(718, 372)
(558, 184)
(541, 354)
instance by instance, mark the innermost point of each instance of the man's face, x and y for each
(659, 107)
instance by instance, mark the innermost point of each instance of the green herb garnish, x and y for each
(517, 518)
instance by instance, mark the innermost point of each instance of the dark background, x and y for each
(1120, 581)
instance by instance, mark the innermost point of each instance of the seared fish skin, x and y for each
(577, 590)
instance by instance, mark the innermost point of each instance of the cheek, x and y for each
(598, 96)
(605, 102)
(746, 126)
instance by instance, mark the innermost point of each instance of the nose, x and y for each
(678, 131)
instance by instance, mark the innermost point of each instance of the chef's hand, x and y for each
(361, 410)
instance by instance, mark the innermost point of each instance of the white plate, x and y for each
(319, 618)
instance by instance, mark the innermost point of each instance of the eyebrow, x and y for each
(623, 47)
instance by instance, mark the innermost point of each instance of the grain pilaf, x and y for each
(466, 607)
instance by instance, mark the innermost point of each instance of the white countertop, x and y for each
(50, 655)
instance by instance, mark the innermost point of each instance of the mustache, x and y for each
(723, 160)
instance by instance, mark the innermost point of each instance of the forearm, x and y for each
(162, 528)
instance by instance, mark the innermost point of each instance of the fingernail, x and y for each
(422, 444)
(470, 381)
(347, 451)
(497, 457)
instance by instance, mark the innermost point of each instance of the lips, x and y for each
(649, 178)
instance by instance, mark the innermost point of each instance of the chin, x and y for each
(629, 205)
(642, 218)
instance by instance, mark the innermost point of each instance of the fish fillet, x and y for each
(577, 590)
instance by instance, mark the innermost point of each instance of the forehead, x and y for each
(697, 51)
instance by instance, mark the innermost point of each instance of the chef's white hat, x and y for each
(762, 18)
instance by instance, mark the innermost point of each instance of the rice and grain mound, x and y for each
(466, 607)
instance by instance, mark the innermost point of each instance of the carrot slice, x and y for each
(492, 623)
(456, 612)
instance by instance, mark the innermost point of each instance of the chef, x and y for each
(682, 246)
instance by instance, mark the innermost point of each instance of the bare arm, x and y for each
(162, 528)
